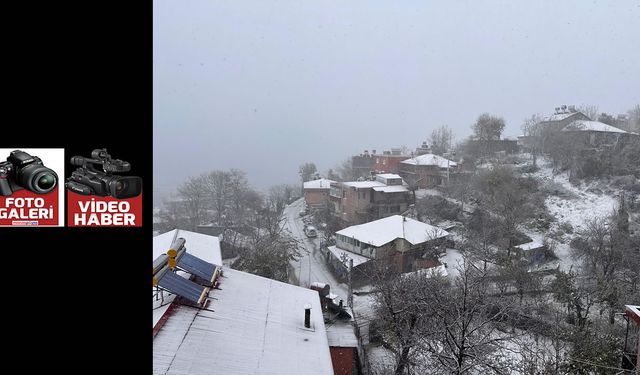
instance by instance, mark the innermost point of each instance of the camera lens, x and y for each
(119, 186)
(37, 178)
(122, 187)
(46, 181)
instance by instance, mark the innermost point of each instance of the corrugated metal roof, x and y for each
(252, 325)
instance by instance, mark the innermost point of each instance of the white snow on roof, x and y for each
(633, 310)
(430, 159)
(382, 231)
(388, 175)
(391, 189)
(530, 246)
(345, 256)
(596, 126)
(254, 325)
(200, 245)
(363, 184)
(560, 116)
(322, 183)
(340, 334)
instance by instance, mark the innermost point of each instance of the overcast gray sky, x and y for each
(266, 85)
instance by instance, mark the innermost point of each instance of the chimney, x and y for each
(307, 315)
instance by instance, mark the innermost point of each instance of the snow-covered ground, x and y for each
(575, 205)
(589, 202)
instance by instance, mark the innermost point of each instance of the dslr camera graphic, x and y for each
(23, 171)
(87, 180)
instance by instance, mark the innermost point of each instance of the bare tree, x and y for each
(307, 171)
(488, 127)
(610, 259)
(589, 110)
(634, 118)
(345, 170)
(429, 323)
(533, 131)
(217, 187)
(194, 198)
(466, 336)
(441, 140)
(402, 305)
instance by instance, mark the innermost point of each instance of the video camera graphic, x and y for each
(87, 180)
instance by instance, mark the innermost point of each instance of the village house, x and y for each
(562, 117)
(358, 202)
(406, 244)
(211, 319)
(389, 161)
(366, 164)
(584, 133)
(427, 171)
(316, 193)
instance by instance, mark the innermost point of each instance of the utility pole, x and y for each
(350, 296)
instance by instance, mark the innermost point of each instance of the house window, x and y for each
(395, 208)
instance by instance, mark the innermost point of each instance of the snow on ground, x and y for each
(575, 205)
(453, 260)
(589, 202)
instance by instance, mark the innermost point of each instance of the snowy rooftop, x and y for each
(345, 256)
(633, 311)
(322, 183)
(595, 126)
(363, 184)
(340, 334)
(430, 159)
(252, 325)
(200, 245)
(382, 231)
(530, 246)
(559, 116)
(388, 175)
(391, 189)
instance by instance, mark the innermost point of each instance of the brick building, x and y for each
(316, 192)
(426, 171)
(358, 202)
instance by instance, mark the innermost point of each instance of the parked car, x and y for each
(310, 231)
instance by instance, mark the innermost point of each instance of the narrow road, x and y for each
(311, 266)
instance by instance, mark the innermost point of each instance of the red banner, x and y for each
(26, 208)
(96, 211)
